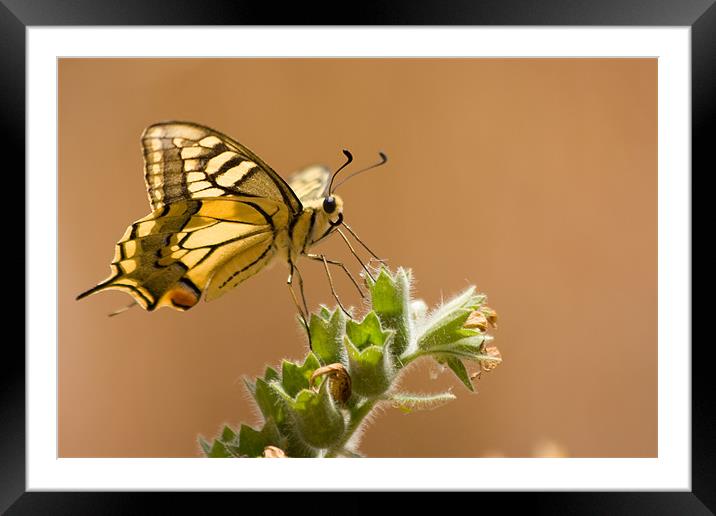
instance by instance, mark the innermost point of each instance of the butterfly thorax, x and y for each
(312, 225)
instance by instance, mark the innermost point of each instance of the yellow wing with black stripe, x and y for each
(184, 161)
(193, 247)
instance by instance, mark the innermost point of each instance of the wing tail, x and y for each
(141, 296)
(97, 288)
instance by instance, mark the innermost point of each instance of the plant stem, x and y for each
(405, 360)
(357, 415)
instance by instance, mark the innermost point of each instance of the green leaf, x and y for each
(366, 333)
(219, 451)
(269, 402)
(223, 446)
(227, 434)
(446, 323)
(465, 347)
(325, 313)
(271, 374)
(327, 336)
(460, 371)
(370, 369)
(386, 296)
(205, 446)
(253, 442)
(250, 386)
(449, 327)
(295, 377)
(409, 402)
(390, 298)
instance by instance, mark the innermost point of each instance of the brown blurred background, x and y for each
(535, 179)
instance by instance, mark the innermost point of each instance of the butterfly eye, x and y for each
(329, 204)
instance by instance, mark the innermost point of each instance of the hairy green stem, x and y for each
(406, 359)
(357, 414)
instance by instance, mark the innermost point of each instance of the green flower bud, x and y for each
(319, 422)
(371, 368)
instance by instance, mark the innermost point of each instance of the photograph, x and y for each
(357, 257)
(415, 249)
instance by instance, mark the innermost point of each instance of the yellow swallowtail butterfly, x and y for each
(220, 215)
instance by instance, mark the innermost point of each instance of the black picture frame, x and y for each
(17, 15)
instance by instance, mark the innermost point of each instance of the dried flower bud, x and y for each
(492, 351)
(273, 452)
(491, 315)
(340, 381)
(476, 321)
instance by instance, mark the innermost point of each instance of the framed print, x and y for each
(537, 163)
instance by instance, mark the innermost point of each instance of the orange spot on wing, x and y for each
(182, 297)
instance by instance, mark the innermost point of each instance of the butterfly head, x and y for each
(328, 215)
(333, 204)
(328, 209)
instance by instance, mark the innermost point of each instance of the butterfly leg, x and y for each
(303, 295)
(302, 311)
(322, 258)
(375, 256)
(330, 281)
(123, 309)
(353, 252)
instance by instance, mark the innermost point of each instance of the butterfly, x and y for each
(219, 216)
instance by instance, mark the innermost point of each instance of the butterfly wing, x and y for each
(185, 161)
(310, 183)
(187, 248)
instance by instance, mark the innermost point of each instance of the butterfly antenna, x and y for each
(383, 161)
(349, 159)
(353, 233)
